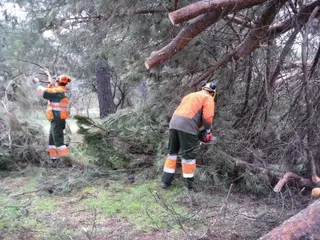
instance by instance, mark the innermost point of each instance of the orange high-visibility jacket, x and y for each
(58, 104)
(196, 109)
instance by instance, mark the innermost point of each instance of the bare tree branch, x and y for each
(282, 57)
(256, 35)
(193, 28)
(196, 9)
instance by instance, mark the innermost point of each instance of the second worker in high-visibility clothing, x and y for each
(57, 112)
(195, 111)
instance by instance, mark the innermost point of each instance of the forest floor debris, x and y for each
(112, 208)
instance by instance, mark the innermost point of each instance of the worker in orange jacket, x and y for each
(195, 111)
(57, 113)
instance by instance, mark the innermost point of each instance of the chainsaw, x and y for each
(202, 134)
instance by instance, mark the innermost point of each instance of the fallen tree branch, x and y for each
(284, 178)
(304, 225)
(39, 189)
(288, 176)
(193, 28)
(196, 9)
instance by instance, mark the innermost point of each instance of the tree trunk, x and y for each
(103, 78)
(193, 10)
(304, 225)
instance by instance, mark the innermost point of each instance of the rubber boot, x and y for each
(189, 183)
(165, 185)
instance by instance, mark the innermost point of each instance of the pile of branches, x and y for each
(21, 141)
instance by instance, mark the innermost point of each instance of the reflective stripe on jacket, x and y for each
(58, 104)
(196, 109)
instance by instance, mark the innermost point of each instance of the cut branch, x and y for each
(196, 9)
(304, 225)
(193, 28)
(304, 182)
(196, 26)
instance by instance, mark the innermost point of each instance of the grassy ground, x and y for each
(74, 203)
(82, 202)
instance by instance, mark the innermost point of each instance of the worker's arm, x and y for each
(46, 93)
(208, 112)
(49, 77)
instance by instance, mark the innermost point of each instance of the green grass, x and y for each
(137, 203)
(43, 204)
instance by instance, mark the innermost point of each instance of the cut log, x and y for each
(193, 28)
(315, 192)
(304, 225)
(196, 9)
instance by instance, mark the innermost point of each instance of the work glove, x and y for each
(207, 136)
(36, 82)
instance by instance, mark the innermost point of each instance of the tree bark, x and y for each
(193, 10)
(304, 225)
(103, 84)
(193, 28)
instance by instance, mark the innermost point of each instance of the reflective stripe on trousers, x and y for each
(52, 151)
(170, 164)
(188, 167)
(63, 151)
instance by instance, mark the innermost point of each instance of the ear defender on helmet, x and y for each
(63, 79)
(210, 87)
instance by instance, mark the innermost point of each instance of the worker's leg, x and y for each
(59, 126)
(171, 159)
(52, 147)
(189, 148)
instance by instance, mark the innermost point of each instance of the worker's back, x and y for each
(188, 117)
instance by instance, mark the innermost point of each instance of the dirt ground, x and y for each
(42, 203)
(79, 202)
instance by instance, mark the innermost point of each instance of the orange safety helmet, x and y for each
(63, 79)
